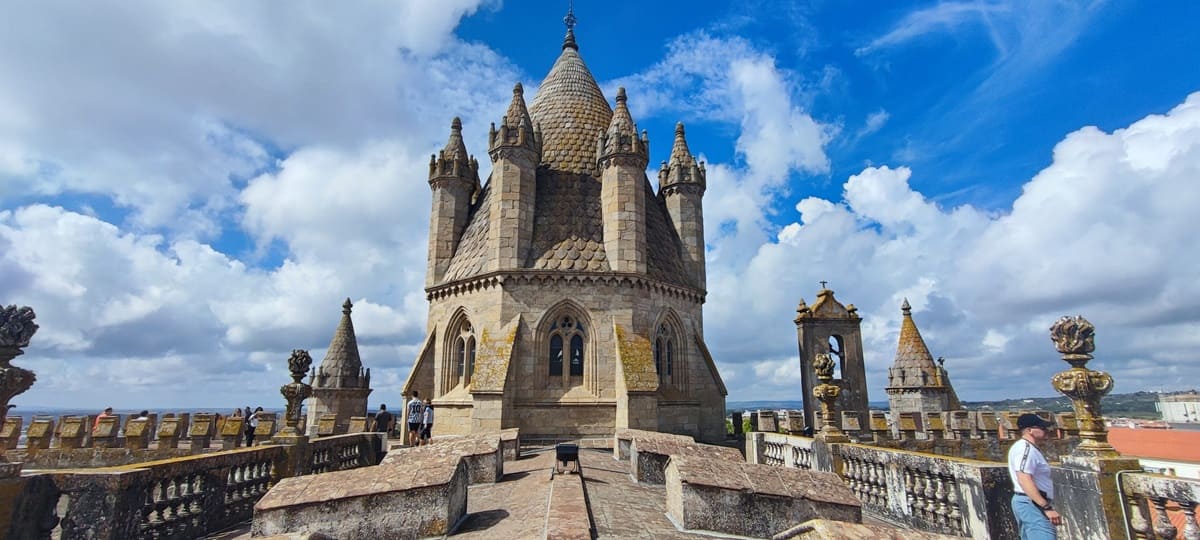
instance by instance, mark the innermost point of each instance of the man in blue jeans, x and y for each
(1032, 490)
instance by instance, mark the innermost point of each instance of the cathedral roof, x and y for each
(342, 356)
(571, 112)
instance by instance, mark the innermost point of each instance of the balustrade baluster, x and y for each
(955, 514)
(940, 496)
(929, 495)
(910, 497)
(1138, 523)
(1162, 523)
(1191, 531)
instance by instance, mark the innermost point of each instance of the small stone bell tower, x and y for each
(831, 328)
(681, 185)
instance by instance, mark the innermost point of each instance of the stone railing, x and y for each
(343, 452)
(927, 492)
(1158, 506)
(186, 497)
(788, 451)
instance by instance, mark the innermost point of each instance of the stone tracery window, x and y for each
(567, 336)
(464, 355)
(664, 354)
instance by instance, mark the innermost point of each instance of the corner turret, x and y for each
(515, 149)
(622, 158)
(454, 179)
(681, 186)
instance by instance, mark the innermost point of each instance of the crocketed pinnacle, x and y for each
(571, 112)
(342, 360)
(453, 160)
(516, 128)
(912, 356)
(622, 137)
(682, 167)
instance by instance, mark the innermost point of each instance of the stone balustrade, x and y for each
(182, 497)
(927, 492)
(1157, 506)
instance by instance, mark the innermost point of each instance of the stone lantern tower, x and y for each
(340, 385)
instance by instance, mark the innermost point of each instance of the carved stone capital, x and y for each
(636, 161)
(683, 189)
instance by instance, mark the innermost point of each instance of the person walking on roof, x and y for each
(1033, 491)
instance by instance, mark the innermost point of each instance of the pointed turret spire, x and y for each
(453, 161)
(682, 167)
(516, 128)
(914, 365)
(342, 364)
(621, 138)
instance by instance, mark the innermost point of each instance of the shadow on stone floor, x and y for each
(480, 521)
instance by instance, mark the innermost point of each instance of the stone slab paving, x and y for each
(622, 508)
(514, 507)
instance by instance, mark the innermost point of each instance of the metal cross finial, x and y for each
(823, 283)
(569, 20)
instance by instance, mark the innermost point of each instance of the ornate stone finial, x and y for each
(456, 125)
(16, 329)
(827, 393)
(518, 90)
(17, 326)
(907, 309)
(346, 306)
(1074, 337)
(621, 94)
(679, 128)
(295, 392)
(823, 365)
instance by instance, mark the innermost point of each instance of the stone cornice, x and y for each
(623, 159)
(683, 189)
(556, 278)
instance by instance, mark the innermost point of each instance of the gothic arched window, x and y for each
(464, 354)
(664, 354)
(566, 337)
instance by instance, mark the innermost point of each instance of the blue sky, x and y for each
(188, 191)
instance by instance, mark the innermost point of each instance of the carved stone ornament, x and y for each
(827, 394)
(1074, 337)
(17, 326)
(823, 365)
(298, 364)
(296, 391)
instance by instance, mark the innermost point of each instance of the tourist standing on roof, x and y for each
(427, 422)
(383, 420)
(414, 410)
(1032, 489)
(251, 426)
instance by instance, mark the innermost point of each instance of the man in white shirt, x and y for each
(1032, 488)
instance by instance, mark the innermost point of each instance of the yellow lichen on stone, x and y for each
(637, 361)
(493, 358)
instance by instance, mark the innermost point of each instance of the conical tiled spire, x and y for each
(682, 167)
(914, 365)
(621, 139)
(571, 112)
(453, 160)
(342, 363)
(516, 128)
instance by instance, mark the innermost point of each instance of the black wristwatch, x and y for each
(1047, 507)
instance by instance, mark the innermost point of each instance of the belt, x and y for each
(1040, 492)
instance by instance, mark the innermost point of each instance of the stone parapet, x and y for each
(751, 500)
(420, 502)
(648, 457)
(481, 454)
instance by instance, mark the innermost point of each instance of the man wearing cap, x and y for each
(1032, 489)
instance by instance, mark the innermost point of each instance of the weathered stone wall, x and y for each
(544, 406)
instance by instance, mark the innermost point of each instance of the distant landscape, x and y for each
(1132, 405)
